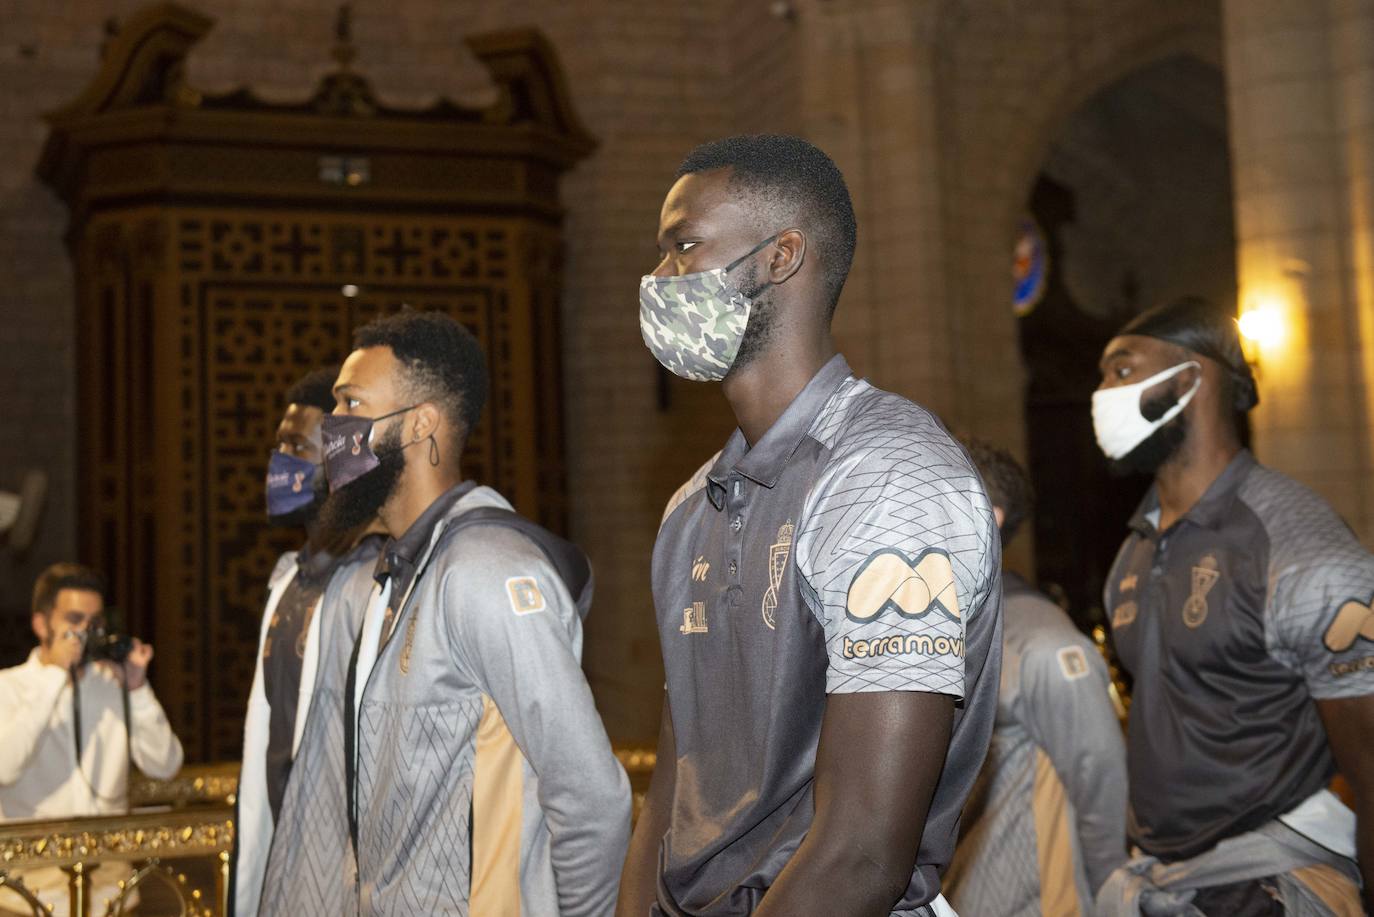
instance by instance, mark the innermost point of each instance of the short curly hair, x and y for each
(1008, 485)
(789, 183)
(442, 362)
(315, 389)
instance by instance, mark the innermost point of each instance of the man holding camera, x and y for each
(69, 731)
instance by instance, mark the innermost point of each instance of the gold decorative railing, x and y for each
(173, 847)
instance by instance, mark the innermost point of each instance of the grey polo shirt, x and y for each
(1232, 622)
(852, 549)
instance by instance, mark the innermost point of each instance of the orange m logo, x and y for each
(888, 579)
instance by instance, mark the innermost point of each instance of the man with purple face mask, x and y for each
(479, 776)
(1240, 603)
(308, 628)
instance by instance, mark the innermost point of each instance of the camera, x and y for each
(105, 644)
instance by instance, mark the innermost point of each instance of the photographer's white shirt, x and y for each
(38, 774)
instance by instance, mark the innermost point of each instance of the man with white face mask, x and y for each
(1240, 603)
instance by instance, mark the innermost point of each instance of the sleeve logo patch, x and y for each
(524, 594)
(889, 580)
(1355, 621)
(1073, 663)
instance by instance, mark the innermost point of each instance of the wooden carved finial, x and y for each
(344, 49)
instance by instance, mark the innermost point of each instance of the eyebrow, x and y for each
(678, 226)
(344, 387)
(1112, 355)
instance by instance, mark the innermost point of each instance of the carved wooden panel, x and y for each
(198, 321)
(213, 236)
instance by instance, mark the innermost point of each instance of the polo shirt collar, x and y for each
(1212, 511)
(765, 462)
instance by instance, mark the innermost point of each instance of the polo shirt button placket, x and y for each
(735, 505)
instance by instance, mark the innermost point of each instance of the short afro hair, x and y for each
(1009, 487)
(790, 183)
(61, 576)
(442, 361)
(315, 389)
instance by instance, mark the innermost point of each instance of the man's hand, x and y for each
(66, 649)
(136, 665)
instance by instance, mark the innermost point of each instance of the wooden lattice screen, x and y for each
(215, 239)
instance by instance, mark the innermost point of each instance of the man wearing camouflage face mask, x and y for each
(827, 586)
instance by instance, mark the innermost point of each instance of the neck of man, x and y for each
(420, 485)
(760, 391)
(335, 544)
(1185, 477)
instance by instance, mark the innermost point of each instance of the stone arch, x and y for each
(993, 152)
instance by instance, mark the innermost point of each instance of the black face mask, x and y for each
(348, 452)
(357, 503)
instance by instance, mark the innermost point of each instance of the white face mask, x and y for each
(1117, 420)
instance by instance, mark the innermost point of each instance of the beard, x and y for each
(762, 317)
(357, 503)
(1160, 446)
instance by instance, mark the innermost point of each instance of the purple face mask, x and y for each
(348, 451)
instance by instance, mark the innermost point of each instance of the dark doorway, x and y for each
(1134, 205)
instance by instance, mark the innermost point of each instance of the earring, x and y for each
(433, 451)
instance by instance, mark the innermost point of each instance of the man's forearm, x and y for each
(589, 823)
(639, 877)
(1364, 839)
(807, 886)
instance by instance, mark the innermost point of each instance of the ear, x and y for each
(788, 253)
(40, 626)
(1000, 516)
(425, 422)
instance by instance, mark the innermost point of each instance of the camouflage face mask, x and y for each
(693, 323)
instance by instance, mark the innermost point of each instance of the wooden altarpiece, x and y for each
(224, 246)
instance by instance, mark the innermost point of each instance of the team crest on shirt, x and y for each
(1205, 576)
(525, 597)
(777, 566)
(888, 579)
(1073, 662)
(1354, 622)
(1124, 614)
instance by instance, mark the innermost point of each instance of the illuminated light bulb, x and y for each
(1263, 326)
(350, 290)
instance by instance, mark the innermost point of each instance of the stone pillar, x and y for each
(869, 99)
(1300, 87)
